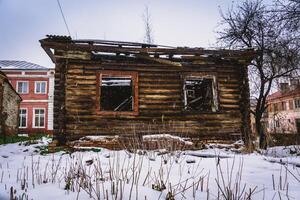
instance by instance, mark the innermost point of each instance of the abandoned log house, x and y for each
(9, 107)
(124, 88)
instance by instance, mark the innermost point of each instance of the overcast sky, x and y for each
(174, 22)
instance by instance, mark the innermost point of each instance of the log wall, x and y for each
(160, 101)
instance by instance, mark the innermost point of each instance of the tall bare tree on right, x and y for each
(252, 25)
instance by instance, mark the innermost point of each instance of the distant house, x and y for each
(126, 89)
(35, 84)
(9, 107)
(283, 114)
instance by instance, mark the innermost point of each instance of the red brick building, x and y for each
(283, 114)
(35, 84)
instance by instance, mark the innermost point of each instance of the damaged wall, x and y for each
(10, 102)
(160, 98)
(160, 103)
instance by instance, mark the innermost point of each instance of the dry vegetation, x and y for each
(138, 173)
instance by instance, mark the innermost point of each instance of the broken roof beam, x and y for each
(159, 60)
(82, 55)
(174, 51)
(49, 53)
(116, 43)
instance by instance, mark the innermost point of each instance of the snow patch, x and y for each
(283, 151)
(182, 170)
(98, 138)
(157, 137)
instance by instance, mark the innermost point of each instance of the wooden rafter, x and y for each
(156, 53)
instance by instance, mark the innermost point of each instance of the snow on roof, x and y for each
(18, 65)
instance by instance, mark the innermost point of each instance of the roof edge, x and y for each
(55, 42)
(7, 81)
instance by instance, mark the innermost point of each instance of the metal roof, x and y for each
(20, 65)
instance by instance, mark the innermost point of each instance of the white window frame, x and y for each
(26, 118)
(296, 103)
(33, 118)
(35, 87)
(17, 87)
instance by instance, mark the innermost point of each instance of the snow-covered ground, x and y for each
(205, 174)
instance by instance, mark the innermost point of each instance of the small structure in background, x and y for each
(9, 107)
(128, 89)
(283, 113)
(35, 84)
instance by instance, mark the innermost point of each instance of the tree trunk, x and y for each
(260, 131)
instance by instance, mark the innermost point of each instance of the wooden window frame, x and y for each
(213, 77)
(135, 90)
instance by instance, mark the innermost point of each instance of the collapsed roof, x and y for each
(104, 49)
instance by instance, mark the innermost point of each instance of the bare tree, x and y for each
(148, 38)
(251, 25)
(289, 12)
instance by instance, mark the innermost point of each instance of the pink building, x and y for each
(35, 84)
(283, 115)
